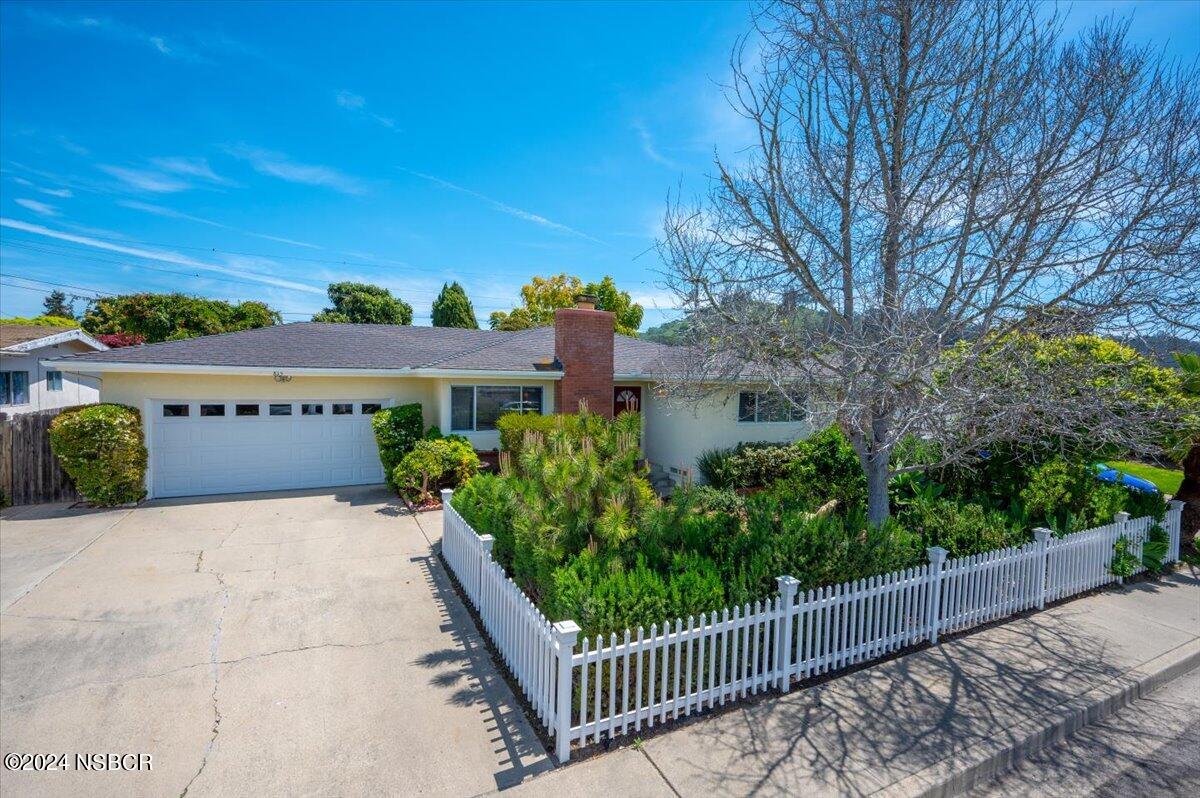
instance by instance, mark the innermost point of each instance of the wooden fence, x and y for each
(613, 684)
(29, 471)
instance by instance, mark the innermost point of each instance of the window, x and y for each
(279, 410)
(477, 407)
(212, 410)
(342, 409)
(246, 410)
(312, 410)
(53, 380)
(370, 408)
(175, 411)
(14, 388)
(771, 406)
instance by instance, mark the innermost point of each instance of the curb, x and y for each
(966, 770)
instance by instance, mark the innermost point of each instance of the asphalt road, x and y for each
(1150, 748)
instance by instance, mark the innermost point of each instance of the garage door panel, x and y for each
(196, 455)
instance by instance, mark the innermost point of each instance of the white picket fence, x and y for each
(616, 684)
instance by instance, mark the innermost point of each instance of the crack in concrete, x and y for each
(214, 646)
(309, 648)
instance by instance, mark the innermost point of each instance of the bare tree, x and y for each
(930, 174)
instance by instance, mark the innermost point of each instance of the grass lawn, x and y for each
(1166, 479)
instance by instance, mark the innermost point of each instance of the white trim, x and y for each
(63, 337)
(86, 366)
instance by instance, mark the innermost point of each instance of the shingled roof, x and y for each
(374, 347)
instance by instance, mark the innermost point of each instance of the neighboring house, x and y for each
(27, 385)
(289, 406)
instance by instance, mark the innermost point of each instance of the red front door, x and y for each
(627, 399)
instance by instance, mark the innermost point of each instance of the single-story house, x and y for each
(27, 385)
(289, 406)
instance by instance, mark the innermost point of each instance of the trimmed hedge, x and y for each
(397, 430)
(102, 448)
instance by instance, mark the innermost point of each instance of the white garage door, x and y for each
(235, 447)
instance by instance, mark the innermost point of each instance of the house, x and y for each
(289, 406)
(27, 385)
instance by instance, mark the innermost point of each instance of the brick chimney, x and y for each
(583, 343)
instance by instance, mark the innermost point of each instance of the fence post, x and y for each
(565, 635)
(451, 555)
(1174, 521)
(1042, 536)
(485, 556)
(937, 558)
(788, 585)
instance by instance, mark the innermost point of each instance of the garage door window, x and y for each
(247, 410)
(212, 410)
(280, 410)
(343, 409)
(370, 408)
(174, 411)
(312, 410)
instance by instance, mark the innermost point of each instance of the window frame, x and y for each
(54, 381)
(520, 388)
(797, 410)
(212, 405)
(8, 391)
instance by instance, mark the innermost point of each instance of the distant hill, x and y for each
(672, 332)
(1161, 347)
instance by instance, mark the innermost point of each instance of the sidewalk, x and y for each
(909, 725)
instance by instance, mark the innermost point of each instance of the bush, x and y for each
(434, 464)
(513, 426)
(487, 502)
(961, 528)
(397, 430)
(755, 465)
(716, 467)
(102, 449)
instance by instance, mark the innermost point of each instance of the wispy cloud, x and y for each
(357, 104)
(171, 213)
(62, 193)
(276, 164)
(190, 166)
(72, 147)
(146, 180)
(649, 149)
(40, 208)
(504, 207)
(160, 256)
(117, 31)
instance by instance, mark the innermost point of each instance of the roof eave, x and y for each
(97, 367)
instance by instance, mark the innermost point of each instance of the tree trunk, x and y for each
(878, 505)
(1189, 494)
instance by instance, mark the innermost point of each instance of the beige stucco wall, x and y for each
(677, 432)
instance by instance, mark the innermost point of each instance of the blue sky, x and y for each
(260, 151)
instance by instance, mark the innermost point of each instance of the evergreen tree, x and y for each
(452, 308)
(56, 304)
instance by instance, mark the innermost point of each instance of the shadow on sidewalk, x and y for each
(520, 755)
(859, 733)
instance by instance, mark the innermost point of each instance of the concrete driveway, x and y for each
(301, 643)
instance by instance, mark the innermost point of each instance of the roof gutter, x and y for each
(96, 367)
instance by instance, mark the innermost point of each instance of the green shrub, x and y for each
(1123, 562)
(716, 467)
(602, 596)
(434, 464)
(1140, 503)
(513, 426)
(1154, 549)
(488, 503)
(397, 430)
(961, 528)
(102, 449)
(755, 465)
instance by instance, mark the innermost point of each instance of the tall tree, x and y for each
(927, 172)
(57, 304)
(363, 303)
(169, 317)
(542, 296)
(1189, 489)
(452, 308)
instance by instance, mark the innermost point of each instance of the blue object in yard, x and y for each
(1106, 474)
